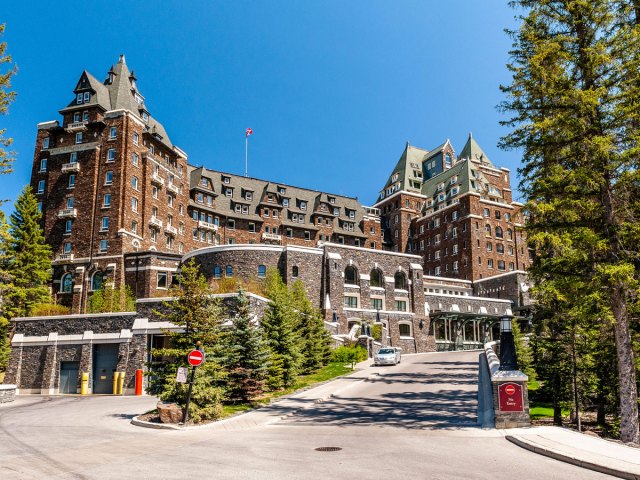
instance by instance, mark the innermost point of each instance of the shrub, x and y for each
(351, 354)
(48, 309)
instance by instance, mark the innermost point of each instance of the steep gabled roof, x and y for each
(402, 173)
(472, 151)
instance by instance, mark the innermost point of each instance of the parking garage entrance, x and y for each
(105, 363)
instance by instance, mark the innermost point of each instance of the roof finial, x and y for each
(470, 134)
(121, 60)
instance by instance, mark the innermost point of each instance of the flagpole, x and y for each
(246, 155)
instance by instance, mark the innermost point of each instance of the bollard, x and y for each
(84, 383)
(121, 383)
(139, 381)
(114, 390)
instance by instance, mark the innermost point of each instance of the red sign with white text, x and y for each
(195, 358)
(510, 397)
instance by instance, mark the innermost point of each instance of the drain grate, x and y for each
(328, 449)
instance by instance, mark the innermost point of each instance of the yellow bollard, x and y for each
(115, 383)
(120, 383)
(84, 383)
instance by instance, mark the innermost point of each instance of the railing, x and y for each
(155, 178)
(68, 212)
(71, 167)
(272, 236)
(173, 188)
(155, 222)
(64, 257)
(170, 229)
(75, 126)
(207, 225)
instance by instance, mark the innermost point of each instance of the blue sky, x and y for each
(331, 89)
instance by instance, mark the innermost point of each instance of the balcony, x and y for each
(272, 236)
(171, 230)
(157, 179)
(155, 222)
(173, 188)
(71, 167)
(76, 127)
(68, 213)
(64, 257)
(207, 225)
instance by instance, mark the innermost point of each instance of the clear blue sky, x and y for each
(331, 89)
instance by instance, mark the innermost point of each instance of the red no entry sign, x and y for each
(510, 390)
(195, 358)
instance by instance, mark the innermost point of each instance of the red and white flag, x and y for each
(248, 132)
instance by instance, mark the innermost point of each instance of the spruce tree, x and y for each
(245, 353)
(6, 97)
(575, 116)
(29, 262)
(279, 326)
(315, 339)
(200, 318)
(5, 287)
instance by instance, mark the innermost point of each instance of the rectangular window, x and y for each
(231, 224)
(401, 305)
(162, 280)
(87, 96)
(350, 302)
(134, 204)
(487, 213)
(73, 158)
(134, 227)
(289, 233)
(108, 178)
(103, 246)
(106, 200)
(40, 207)
(285, 202)
(136, 139)
(67, 247)
(112, 133)
(78, 137)
(79, 98)
(85, 116)
(135, 159)
(105, 224)
(67, 226)
(490, 263)
(111, 155)
(252, 227)
(307, 235)
(72, 180)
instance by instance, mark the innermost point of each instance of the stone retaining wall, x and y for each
(7, 393)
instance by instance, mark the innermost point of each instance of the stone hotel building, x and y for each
(436, 260)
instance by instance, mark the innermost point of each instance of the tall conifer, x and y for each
(575, 116)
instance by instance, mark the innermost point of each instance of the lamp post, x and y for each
(508, 357)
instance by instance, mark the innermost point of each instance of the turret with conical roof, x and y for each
(472, 151)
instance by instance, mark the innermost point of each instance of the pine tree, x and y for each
(6, 97)
(246, 354)
(315, 339)
(29, 264)
(200, 318)
(573, 97)
(279, 326)
(5, 287)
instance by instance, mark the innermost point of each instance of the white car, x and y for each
(387, 356)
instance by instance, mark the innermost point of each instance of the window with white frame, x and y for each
(401, 305)
(104, 224)
(43, 165)
(136, 138)
(134, 204)
(135, 159)
(162, 280)
(112, 133)
(111, 155)
(108, 178)
(134, 182)
(78, 137)
(350, 301)
(66, 248)
(72, 181)
(67, 226)
(103, 246)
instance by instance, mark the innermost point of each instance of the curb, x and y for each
(168, 426)
(555, 454)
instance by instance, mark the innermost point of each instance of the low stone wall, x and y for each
(7, 393)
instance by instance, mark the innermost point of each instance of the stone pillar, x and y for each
(86, 359)
(50, 367)
(511, 399)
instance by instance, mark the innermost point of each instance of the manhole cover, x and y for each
(328, 449)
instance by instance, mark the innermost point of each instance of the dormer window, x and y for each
(228, 192)
(204, 182)
(285, 202)
(282, 190)
(145, 116)
(226, 180)
(336, 211)
(248, 196)
(79, 98)
(139, 99)
(303, 205)
(395, 177)
(332, 200)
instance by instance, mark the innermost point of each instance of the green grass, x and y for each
(541, 410)
(228, 410)
(327, 372)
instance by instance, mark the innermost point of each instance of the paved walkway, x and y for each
(578, 449)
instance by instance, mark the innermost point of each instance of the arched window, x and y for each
(509, 234)
(97, 280)
(400, 281)
(377, 279)
(405, 329)
(228, 271)
(351, 275)
(66, 283)
(499, 232)
(487, 229)
(217, 272)
(294, 271)
(262, 270)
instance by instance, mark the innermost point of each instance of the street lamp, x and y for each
(508, 356)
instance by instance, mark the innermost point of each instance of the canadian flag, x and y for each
(248, 132)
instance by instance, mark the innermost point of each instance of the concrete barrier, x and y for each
(7, 393)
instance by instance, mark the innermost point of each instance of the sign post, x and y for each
(195, 359)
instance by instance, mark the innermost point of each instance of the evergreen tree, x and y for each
(246, 354)
(29, 257)
(5, 287)
(6, 97)
(279, 326)
(109, 299)
(200, 318)
(315, 339)
(573, 97)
